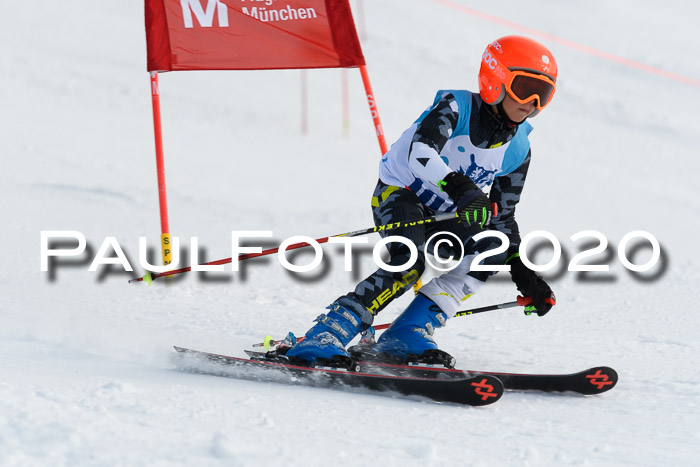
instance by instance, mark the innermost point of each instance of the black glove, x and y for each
(531, 285)
(473, 206)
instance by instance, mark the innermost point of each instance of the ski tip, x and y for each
(599, 379)
(484, 390)
(267, 343)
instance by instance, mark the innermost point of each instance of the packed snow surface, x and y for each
(86, 369)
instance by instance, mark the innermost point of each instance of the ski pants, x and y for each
(448, 291)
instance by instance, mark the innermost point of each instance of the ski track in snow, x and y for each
(86, 371)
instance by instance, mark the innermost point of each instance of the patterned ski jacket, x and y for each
(459, 132)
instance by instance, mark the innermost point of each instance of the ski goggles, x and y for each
(524, 86)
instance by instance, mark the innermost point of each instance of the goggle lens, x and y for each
(524, 88)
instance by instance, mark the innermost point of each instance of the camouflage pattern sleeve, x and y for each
(506, 193)
(429, 139)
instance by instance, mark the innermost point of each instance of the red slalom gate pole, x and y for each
(160, 168)
(379, 130)
(373, 109)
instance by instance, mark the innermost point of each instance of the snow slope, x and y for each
(86, 376)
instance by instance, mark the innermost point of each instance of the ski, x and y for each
(588, 382)
(474, 390)
(592, 381)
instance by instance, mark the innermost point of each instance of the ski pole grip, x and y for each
(524, 301)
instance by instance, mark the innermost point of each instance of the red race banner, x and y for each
(250, 35)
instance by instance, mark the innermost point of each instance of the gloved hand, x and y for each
(479, 211)
(473, 206)
(533, 286)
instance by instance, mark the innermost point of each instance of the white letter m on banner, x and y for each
(204, 18)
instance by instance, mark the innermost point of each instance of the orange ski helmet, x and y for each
(521, 67)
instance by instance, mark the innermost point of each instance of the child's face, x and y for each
(515, 111)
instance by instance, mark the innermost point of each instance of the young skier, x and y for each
(460, 145)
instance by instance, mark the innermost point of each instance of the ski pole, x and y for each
(521, 301)
(149, 277)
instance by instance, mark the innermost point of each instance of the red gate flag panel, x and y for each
(250, 35)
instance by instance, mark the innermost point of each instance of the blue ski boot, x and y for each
(324, 344)
(409, 338)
